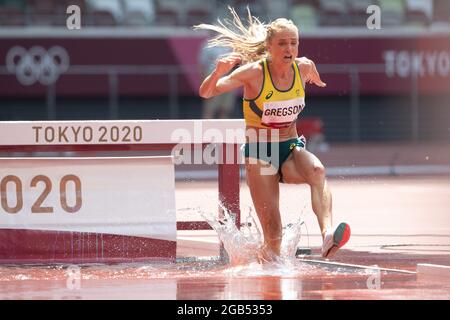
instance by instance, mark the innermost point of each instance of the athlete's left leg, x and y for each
(304, 167)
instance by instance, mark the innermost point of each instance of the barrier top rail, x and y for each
(43, 136)
(124, 132)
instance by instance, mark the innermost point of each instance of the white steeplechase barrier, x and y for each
(105, 209)
(87, 209)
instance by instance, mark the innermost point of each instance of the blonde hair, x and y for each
(248, 41)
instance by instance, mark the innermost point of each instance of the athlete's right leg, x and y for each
(264, 190)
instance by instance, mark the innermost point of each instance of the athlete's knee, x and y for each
(319, 170)
(316, 173)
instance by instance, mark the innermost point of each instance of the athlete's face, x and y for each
(283, 46)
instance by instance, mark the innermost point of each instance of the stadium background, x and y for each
(138, 59)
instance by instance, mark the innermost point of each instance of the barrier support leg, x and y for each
(229, 181)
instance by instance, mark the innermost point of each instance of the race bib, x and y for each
(280, 114)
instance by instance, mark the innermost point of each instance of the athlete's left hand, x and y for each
(314, 77)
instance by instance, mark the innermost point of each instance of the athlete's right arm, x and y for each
(216, 83)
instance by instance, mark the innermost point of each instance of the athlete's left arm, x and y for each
(309, 72)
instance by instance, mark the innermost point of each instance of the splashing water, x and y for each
(291, 237)
(244, 245)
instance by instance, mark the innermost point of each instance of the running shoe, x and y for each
(335, 240)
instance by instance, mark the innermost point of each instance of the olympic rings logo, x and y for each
(37, 64)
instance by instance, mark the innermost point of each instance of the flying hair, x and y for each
(250, 41)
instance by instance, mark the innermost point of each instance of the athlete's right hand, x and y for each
(225, 64)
